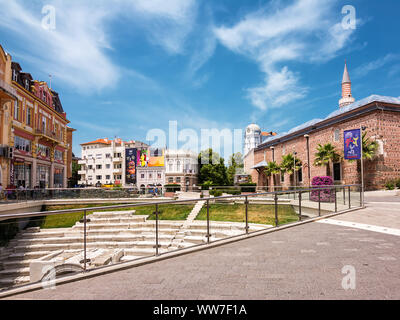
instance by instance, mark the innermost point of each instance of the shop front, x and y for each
(58, 177)
(43, 176)
(22, 174)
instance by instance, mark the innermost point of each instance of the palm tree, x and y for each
(272, 170)
(326, 154)
(288, 164)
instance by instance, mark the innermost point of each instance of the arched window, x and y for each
(178, 166)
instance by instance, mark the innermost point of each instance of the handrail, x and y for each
(132, 205)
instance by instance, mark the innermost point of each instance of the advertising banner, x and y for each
(352, 144)
(150, 158)
(130, 161)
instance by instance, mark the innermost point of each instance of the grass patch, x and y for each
(257, 213)
(166, 212)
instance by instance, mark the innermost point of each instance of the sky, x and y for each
(125, 67)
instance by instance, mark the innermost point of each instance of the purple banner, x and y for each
(352, 144)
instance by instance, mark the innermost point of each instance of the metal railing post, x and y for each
(276, 210)
(300, 205)
(84, 241)
(208, 222)
(344, 195)
(246, 202)
(349, 199)
(319, 203)
(157, 230)
(335, 200)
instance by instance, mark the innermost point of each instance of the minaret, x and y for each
(347, 98)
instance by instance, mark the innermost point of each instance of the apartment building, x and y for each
(104, 162)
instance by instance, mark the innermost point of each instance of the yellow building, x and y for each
(8, 95)
(34, 131)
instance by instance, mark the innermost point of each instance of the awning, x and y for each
(260, 165)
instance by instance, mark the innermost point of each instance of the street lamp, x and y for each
(308, 158)
(294, 169)
(363, 128)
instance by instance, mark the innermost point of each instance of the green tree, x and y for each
(288, 165)
(236, 166)
(325, 155)
(271, 170)
(212, 168)
(73, 181)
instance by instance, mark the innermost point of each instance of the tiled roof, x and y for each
(98, 141)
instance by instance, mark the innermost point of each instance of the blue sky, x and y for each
(123, 67)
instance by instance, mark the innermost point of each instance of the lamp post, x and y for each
(363, 128)
(308, 159)
(294, 172)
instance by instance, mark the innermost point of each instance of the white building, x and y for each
(252, 138)
(181, 168)
(150, 171)
(103, 161)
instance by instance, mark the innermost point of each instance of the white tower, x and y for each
(252, 138)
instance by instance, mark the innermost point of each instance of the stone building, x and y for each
(379, 114)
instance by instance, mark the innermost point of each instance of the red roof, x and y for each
(98, 141)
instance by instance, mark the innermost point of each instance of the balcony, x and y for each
(83, 161)
(117, 159)
(82, 172)
(117, 171)
(49, 134)
(7, 90)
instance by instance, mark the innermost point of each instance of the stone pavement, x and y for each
(304, 262)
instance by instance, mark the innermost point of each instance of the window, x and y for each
(99, 177)
(117, 166)
(29, 116)
(108, 177)
(118, 177)
(159, 176)
(178, 166)
(15, 75)
(337, 135)
(108, 166)
(337, 171)
(108, 156)
(90, 167)
(58, 155)
(22, 144)
(142, 176)
(17, 110)
(178, 180)
(99, 156)
(98, 167)
(282, 177)
(171, 180)
(171, 166)
(90, 178)
(43, 151)
(150, 176)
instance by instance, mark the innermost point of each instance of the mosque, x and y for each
(380, 115)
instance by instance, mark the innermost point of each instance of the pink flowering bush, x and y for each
(326, 195)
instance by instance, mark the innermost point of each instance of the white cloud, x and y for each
(305, 31)
(79, 50)
(363, 70)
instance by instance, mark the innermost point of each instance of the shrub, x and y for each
(215, 193)
(206, 185)
(390, 185)
(248, 187)
(325, 195)
(398, 183)
(231, 191)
